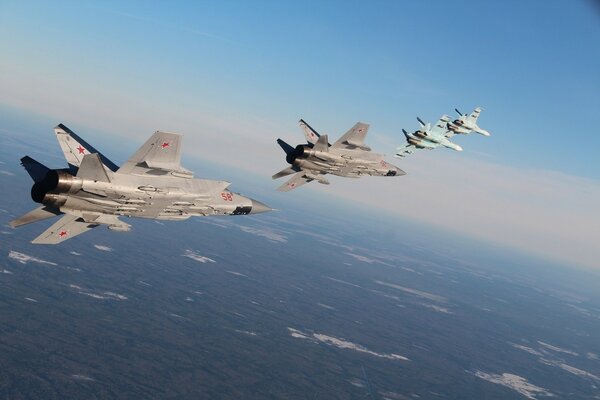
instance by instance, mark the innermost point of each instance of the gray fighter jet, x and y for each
(94, 191)
(467, 123)
(347, 157)
(428, 137)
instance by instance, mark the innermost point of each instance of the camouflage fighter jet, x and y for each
(428, 137)
(467, 123)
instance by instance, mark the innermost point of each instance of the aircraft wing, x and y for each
(354, 138)
(160, 153)
(474, 115)
(441, 127)
(405, 150)
(65, 228)
(38, 214)
(297, 180)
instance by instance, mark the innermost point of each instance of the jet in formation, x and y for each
(428, 137)
(439, 135)
(94, 191)
(349, 157)
(466, 124)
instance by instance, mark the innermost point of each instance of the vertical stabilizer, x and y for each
(36, 170)
(75, 148)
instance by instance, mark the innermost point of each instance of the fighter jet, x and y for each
(347, 157)
(428, 137)
(94, 191)
(467, 123)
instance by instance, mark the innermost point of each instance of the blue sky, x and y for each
(232, 76)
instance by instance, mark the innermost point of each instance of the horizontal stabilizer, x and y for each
(39, 214)
(65, 228)
(35, 169)
(297, 180)
(91, 168)
(284, 172)
(286, 147)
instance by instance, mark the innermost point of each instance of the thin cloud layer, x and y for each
(546, 213)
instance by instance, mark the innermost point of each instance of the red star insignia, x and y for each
(63, 233)
(80, 149)
(165, 145)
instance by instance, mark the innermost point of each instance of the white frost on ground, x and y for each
(516, 383)
(102, 248)
(249, 333)
(386, 295)
(295, 333)
(98, 294)
(362, 258)
(343, 282)
(80, 377)
(326, 306)
(570, 369)
(357, 383)
(527, 349)
(557, 349)
(266, 233)
(236, 273)
(115, 296)
(419, 293)
(24, 258)
(197, 257)
(439, 309)
(342, 344)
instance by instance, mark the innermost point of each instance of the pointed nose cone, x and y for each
(485, 133)
(458, 148)
(399, 172)
(258, 207)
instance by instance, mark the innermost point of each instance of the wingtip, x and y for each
(62, 126)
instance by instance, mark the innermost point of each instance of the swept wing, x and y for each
(354, 138)
(160, 155)
(297, 180)
(65, 228)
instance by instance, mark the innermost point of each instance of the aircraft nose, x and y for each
(258, 207)
(486, 133)
(458, 148)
